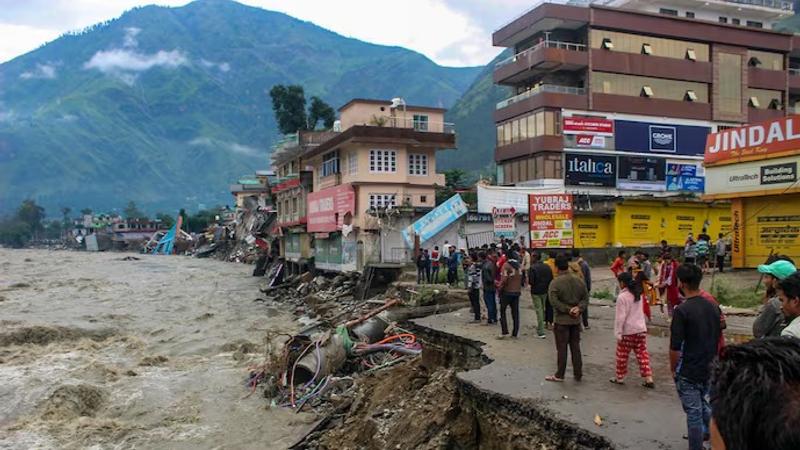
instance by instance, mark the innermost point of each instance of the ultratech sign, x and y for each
(779, 173)
(590, 170)
(760, 141)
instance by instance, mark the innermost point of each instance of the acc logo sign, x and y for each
(662, 139)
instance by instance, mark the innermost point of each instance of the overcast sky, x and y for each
(450, 32)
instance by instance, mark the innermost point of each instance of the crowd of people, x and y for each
(710, 378)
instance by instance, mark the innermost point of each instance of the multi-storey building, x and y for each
(591, 83)
(613, 100)
(293, 183)
(372, 179)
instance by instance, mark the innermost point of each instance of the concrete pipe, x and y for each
(332, 357)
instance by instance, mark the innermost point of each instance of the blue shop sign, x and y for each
(648, 137)
(683, 178)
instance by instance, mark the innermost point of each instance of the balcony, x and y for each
(646, 106)
(766, 78)
(554, 95)
(651, 66)
(412, 124)
(755, 115)
(545, 56)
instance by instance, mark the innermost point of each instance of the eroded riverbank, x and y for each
(96, 350)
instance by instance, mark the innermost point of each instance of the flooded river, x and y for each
(99, 352)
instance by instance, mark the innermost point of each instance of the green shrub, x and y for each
(739, 298)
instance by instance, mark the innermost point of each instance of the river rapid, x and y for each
(101, 352)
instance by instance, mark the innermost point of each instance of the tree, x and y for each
(454, 180)
(32, 215)
(14, 233)
(86, 211)
(53, 229)
(320, 110)
(132, 212)
(166, 219)
(289, 106)
(65, 210)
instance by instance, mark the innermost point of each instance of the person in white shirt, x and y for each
(446, 250)
(789, 293)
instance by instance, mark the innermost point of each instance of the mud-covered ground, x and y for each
(97, 351)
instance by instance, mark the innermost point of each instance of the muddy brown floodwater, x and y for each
(98, 352)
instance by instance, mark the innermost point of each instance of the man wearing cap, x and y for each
(770, 321)
(789, 292)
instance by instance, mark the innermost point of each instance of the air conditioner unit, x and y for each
(337, 126)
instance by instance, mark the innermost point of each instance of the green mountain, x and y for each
(475, 130)
(168, 106)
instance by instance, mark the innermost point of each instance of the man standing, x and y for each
(510, 288)
(435, 265)
(703, 246)
(452, 267)
(770, 320)
(695, 332)
(474, 285)
(586, 271)
(540, 277)
(423, 260)
(488, 270)
(569, 298)
(721, 249)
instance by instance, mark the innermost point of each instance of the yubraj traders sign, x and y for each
(551, 220)
(327, 208)
(771, 139)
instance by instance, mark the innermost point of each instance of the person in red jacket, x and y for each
(619, 264)
(669, 281)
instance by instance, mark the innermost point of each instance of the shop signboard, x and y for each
(330, 208)
(769, 139)
(588, 126)
(685, 177)
(752, 176)
(639, 173)
(551, 221)
(590, 170)
(504, 222)
(435, 221)
(661, 138)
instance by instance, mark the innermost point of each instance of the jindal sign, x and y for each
(764, 140)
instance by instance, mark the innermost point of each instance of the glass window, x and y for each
(353, 163)
(500, 136)
(531, 119)
(633, 85)
(550, 123)
(382, 161)
(765, 98)
(690, 14)
(514, 131)
(420, 122)
(730, 83)
(523, 128)
(330, 163)
(417, 164)
(735, 21)
(507, 132)
(631, 43)
(723, 19)
(380, 201)
(540, 123)
(754, 24)
(767, 60)
(669, 12)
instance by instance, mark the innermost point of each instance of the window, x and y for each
(754, 24)
(730, 83)
(353, 163)
(294, 205)
(647, 91)
(691, 96)
(690, 14)
(691, 55)
(647, 49)
(723, 19)
(735, 21)
(420, 122)
(417, 164)
(632, 43)
(669, 12)
(382, 161)
(607, 44)
(330, 163)
(380, 201)
(423, 199)
(618, 84)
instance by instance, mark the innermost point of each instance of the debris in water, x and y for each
(598, 420)
(43, 335)
(153, 360)
(69, 401)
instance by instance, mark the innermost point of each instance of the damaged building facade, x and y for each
(344, 197)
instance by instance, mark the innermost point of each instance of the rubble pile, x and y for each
(321, 296)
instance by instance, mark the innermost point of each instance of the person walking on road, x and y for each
(618, 266)
(694, 336)
(630, 329)
(488, 270)
(540, 277)
(510, 288)
(569, 298)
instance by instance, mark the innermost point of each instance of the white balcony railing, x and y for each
(539, 89)
(574, 46)
(410, 122)
(772, 4)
